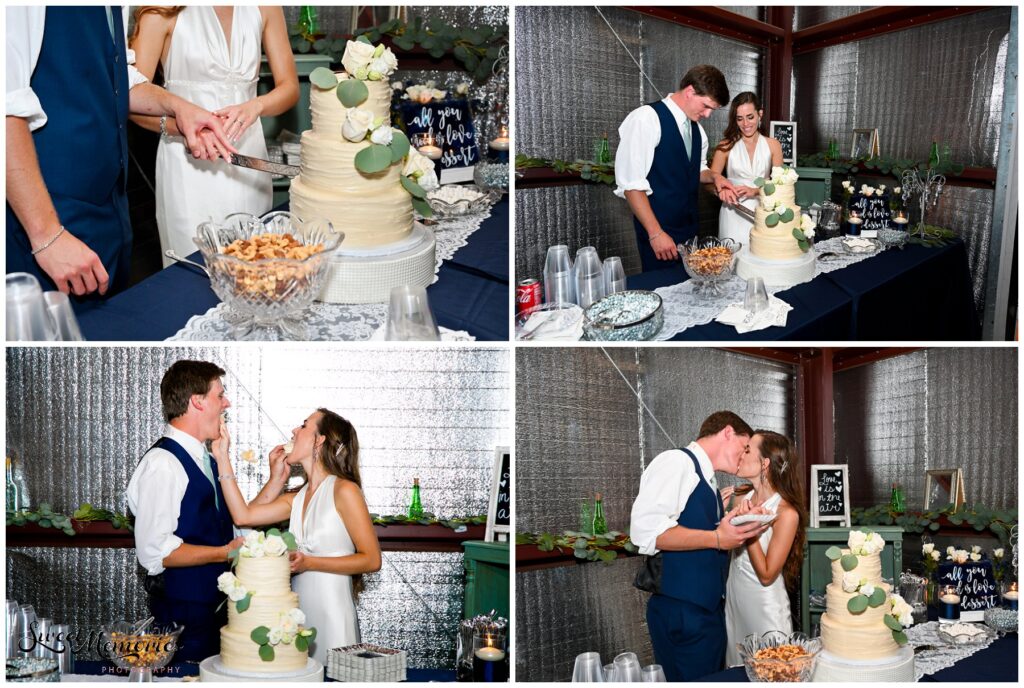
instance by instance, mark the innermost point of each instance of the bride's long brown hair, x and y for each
(783, 474)
(732, 132)
(165, 11)
(339, 455)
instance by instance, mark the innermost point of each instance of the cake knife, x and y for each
(265, 165)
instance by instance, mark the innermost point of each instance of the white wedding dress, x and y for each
(749, 606)
(325, 598)
(202, 68)
(742, 171)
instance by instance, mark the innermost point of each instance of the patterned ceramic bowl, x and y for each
(269, 290)
(778, 657)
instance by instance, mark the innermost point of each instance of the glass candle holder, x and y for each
(900, 220)
(949, 603)
(428, 144)
(854, 223)
(1010, 595)
(490, 659)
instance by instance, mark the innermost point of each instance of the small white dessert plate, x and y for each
(752, 518)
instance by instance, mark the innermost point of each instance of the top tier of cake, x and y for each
(328, 113)
(869, 568)
(784, 193)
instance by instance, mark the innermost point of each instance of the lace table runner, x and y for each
(683, 309)
(332, 321)
(942, 655)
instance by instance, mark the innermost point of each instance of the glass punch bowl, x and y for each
(139, 648)
(777, 657)
(709, 261)
(270, 297)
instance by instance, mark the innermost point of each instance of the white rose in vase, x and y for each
(950, 550)
(413, 92)
(397, 86)
(975, 556)
(439, 95)
(358, 56)
(462, 89)
(936, 555)
(382, 135)
(425, 96)
(928, 548)
(976, 549)
(998, 553)
(357, 123)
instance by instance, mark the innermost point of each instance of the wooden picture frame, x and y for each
(785, 134)
(832, 517)
(499, 509)
(865, 144)
(947, 480)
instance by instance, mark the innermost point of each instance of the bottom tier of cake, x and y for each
(777, 273)
(896, 669)
(369, 276)
(212, 669)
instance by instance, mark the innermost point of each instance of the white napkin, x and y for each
(775, 315)
(446, 335)
(564, 324)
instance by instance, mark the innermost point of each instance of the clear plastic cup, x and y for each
(653, 673)
(589, 277)
(558, 283)
(588, 668)
(614, 275)
(28, 319)
(627, 668)
(59, 306)
(409, 316)
(756, 298)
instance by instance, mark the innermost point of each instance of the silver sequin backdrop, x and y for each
(574, 82)
(579, 430)
(80, 419)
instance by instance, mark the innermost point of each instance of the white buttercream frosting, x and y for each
(856, 636)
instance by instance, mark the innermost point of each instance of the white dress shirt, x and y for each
(639, 135)
(154, 496)
(665, 488)
(25, 27)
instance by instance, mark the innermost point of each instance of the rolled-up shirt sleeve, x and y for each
(24, 41)
(703, 148)
(665, 487)
(135, 77)
(639, 135)
(155, 492)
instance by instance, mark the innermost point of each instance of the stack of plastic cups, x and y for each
(558, 282)
(28, 318)
(65, 657)
(13, 628)
(26, 617)
(589, 277)
(614, 276)
(44, 645)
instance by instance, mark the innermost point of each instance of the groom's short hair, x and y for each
(718, 420)
(182, 380)
(707, 81)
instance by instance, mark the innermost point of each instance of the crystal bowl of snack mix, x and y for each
(777, 656)
(267, 270)
(709, 261)
(140, 647)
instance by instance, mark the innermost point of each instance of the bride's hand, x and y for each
(220, 446)
(279, 469)
(298, 562)
(727, 493)
(238, 118)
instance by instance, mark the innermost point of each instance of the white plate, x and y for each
(752, 518)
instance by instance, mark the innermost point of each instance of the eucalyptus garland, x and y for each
(981, 518)
(427, 519)
(589, 171)
(582, 545)
(45, 517)
(884, 165)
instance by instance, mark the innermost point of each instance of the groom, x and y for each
(678, 512)
(661, 160)
(183, 530)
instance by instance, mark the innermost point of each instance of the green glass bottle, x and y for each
(600, 526)
(415, 507)
(896, 503)
(308, 20)
(604, 153)
(933, 156)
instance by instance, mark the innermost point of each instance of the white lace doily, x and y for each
(942, 655)
(337, 322)
(683, 309)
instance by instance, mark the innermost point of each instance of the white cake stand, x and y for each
(896, 669)
(777, 273)
(368, 275)
(212, 669)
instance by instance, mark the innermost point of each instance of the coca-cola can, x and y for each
(528, 295)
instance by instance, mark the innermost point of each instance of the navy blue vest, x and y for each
(697, 576)
(674, 177)
(81, 80)
(199, 523)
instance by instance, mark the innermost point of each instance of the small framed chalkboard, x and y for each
(785, 134)
(830, 494)
(499, 513)
(452, 122)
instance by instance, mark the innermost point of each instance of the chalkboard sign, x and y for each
(830, 494)
(785, 134)
(975, 584)
(450, 120)
(499, 514)
(875, 211)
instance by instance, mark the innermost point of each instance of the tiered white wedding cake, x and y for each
(775, 253)
(265, 639)
(862, 627)
(363, 176)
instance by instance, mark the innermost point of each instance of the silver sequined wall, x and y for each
(574, 83)
(937, 408)
(81, 418)
(568, 98)
(579, 429)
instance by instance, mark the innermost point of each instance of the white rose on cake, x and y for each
(874, 544)
(383, 65)
(356, 124)
(421, 169)
(903, 612)
(357, 57)
(807, 226)
(275, 636)
(780, 208)
(851, 582)
(274, 546)
(867, 589)
(768, 203)
(382, 135)
(298, 616)
(856, 541)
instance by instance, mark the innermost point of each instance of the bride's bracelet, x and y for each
(230, 476)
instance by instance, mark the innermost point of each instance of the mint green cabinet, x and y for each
(817, 568)
(487, 578)
(814, 186)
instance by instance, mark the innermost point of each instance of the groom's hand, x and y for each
(663, 246)
(232, 546)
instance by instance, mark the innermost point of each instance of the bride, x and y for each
(756, 597)
(329, 519)
(745, 154)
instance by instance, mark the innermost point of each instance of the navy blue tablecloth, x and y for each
(916, 293)
(996, 663)
(471, 294)
(104, 668)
